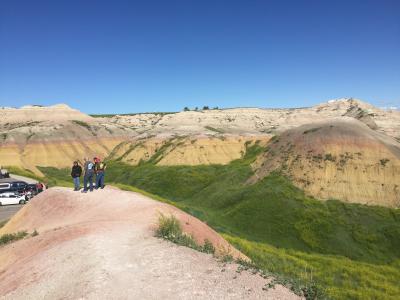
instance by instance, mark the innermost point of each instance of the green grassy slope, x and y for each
(352, 250)
(341, 277)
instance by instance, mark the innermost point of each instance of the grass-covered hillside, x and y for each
(352, 251)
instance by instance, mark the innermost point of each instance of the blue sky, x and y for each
(137, 56)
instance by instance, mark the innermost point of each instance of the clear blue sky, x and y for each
(136, 56)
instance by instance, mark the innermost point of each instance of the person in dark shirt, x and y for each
(76, 173)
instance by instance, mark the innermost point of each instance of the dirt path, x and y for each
(101, 246)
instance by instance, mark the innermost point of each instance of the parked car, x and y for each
(12, 198)
(5, 186)
(12, 185)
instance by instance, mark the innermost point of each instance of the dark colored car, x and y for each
(13, 186)
(32, 188)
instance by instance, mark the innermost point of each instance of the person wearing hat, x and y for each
(100, 168)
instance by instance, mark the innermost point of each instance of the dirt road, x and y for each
(101, 245)
(6, 212)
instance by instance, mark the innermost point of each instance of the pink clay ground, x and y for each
(101, 245)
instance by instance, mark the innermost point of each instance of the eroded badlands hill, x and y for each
(55, 136)
(185, 150)
(337, 159)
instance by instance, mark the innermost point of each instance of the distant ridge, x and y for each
(55, 136)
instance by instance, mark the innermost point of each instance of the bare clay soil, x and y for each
(101, 245)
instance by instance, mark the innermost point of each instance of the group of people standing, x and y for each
(93, 172)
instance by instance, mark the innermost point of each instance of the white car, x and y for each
(11, 198)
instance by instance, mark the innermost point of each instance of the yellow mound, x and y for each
(340, 159)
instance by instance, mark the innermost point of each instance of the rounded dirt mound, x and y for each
(101, 245)
(341, 159)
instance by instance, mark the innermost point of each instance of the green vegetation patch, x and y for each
(85, 125)
(57, 177)
(23, 172)
(81, 123)
(214, 129)
(271, 211)
(169, 228)
(161, 151)
(131, 148)
(12, 237)
(342, 278)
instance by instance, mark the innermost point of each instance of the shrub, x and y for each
(227, 258)
(208, 247)
(384, 161)
(330, 157)
(11, 237)
(170, 229)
